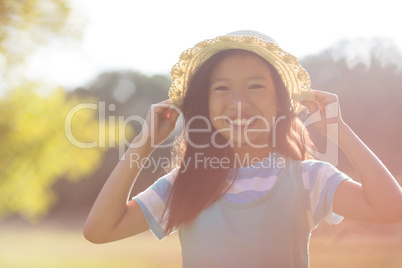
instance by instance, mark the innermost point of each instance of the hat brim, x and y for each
(294, 76)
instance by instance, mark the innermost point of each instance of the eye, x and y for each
(255, 86)
(222, 88)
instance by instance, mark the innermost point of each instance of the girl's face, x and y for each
(242, 100)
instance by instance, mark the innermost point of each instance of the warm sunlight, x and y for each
(149, 37)
(281, 140)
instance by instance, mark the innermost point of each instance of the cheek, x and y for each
(213, 107)
(212, 115)
(267, 104)
(273, 108)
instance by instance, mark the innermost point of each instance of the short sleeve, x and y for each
(152, 202)
(321, 181)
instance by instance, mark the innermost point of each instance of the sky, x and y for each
(149, 36)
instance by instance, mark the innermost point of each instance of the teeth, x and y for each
(241, 122)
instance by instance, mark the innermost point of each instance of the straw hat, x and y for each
(294, 76)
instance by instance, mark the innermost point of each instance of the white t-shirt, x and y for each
(320, 180)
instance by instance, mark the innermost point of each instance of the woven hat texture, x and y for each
(294, 76)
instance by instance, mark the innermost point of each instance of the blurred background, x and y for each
(70, 71)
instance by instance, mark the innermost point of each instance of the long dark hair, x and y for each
(197, 186)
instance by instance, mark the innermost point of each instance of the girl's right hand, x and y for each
(160, 122)
(111, 217)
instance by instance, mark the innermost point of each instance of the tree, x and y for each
(129, 93)
(28, 24)
(37, 146)
(367, 77)
(35, 151)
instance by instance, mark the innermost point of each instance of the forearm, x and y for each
(380, 188)
(111, 202)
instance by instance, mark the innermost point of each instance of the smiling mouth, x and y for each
(241, 122)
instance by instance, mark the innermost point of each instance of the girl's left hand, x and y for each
(324, 110)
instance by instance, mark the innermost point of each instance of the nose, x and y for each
(239, 101)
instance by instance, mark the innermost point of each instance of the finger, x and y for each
(167, 101)
(324, 97)
(170, 103)
(312, 106)
(320, 95)
(164, 109)
(161, 108)
(321, 107)
(174, 114)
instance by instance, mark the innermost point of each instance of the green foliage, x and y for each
(130, 93)
(27, 24)
(35, 151)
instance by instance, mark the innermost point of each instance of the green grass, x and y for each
(38, 247)
(355, 251)
(348, 245)
(353, 244)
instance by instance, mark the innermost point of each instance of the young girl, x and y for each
(244, 191)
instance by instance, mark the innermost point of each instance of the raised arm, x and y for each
(113, 216)
(378, 199)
